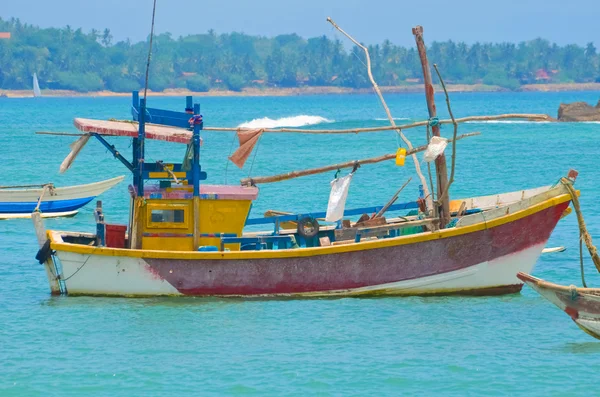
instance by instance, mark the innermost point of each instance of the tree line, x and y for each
(64, 58)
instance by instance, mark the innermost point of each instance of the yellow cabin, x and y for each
(167, 219)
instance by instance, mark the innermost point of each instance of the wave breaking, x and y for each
(294, 121)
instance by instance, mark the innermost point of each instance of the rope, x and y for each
(48, 187)
(195, 120)
(433, 121)
(227, 160)
(573, 292)
(78, 269)
(581, 261)
(149, 51)
(172, 174)
(585, 235)
(254, 158)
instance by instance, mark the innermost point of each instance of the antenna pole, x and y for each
(149, 51)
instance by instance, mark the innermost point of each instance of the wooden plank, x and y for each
(324, 241)
(371, 222)
(130, 129)
(351, 233)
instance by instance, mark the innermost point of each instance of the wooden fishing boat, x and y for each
(185, 237)
(21, 201)
(581, 304)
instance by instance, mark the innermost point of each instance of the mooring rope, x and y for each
(585, 235)
(49, 187)
(581, 261)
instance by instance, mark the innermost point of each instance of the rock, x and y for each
(579, 111)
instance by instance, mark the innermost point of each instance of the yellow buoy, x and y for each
(400, 156)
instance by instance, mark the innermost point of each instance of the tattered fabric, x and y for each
(248, 139)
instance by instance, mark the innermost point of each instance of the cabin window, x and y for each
(173, 216)
(167, 216)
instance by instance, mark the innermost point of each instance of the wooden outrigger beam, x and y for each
(530, 117)
(348, 164)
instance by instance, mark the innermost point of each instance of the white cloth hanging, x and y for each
(436, 146)
(337, 198)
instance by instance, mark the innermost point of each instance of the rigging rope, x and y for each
(254, 158)
(581, 260)
(585, 235)
(227, 160)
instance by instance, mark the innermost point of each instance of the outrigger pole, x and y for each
(333, 167)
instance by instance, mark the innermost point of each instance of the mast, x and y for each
(196, 122)
(139, 149)
(440, 162)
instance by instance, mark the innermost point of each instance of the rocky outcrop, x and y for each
(578, 111)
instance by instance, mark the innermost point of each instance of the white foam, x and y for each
(294, 121)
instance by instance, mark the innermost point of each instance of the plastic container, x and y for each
(400, 156)
(208, 248)
(115, 235)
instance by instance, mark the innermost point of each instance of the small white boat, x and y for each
(21, 201)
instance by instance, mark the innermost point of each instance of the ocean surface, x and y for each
(510, 345)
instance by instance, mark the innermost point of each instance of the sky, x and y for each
(370, 21)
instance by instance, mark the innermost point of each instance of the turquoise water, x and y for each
(515, 344)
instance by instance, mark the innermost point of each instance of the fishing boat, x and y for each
(187, 237)
(581, 304)
(21, 201)
(36, 86)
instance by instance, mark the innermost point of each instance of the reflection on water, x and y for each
(592, 347)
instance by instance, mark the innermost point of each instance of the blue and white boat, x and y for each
(21, 201)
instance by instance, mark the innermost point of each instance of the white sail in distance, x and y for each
(36, 86)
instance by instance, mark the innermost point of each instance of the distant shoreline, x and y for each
(296, 91)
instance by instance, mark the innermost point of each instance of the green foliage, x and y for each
(122, 84)
(83, 82)
(198, 83)
(499, 77)
(159, 83)
(71, 59)
(235, 82)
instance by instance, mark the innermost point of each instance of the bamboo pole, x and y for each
(455, 132)
(440, 162)
(428, 197)
(530, 117)
(392, 200)
(348, 164)
(24, 186)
